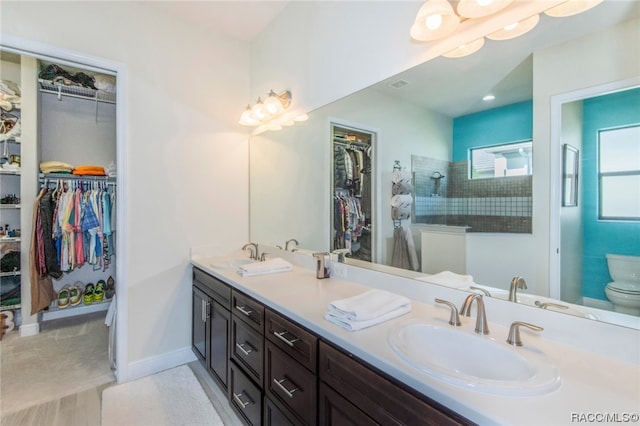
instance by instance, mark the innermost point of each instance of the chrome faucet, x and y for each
(481, 320)
(292, 240)
(253, 249)
(514, 332)
(547, 305)
(516, 283)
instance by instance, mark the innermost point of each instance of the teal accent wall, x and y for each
(601, 237)
(510, 123)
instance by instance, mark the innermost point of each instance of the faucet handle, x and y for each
(514, 332)
(263, 256)
(454, 319)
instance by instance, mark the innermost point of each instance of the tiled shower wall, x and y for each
(485, 205)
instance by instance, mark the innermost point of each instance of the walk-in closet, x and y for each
(352, 181)
(58, 204)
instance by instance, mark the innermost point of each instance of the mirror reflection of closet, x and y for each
(351, 183)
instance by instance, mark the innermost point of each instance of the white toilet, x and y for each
(624, 290)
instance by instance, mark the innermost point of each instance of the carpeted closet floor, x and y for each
(57, 377)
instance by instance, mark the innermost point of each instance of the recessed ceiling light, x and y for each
(488, 98)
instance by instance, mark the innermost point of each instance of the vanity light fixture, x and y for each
(271, 114)
(480, 8)
(465, 49)
(571, 7)
(436, 19)
(516, 29)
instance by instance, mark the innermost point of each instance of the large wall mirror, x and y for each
(428, 120)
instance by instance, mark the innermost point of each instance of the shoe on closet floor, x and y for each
(98, 293)
(75, 294)
(63, 297)
(111, 289)
(89, 291)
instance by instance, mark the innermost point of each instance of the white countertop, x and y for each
(592, 386)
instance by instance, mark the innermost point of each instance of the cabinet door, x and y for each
(199, 324)
(219, 342)
(333, 409)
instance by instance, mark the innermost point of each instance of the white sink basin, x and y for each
(473, 361)
(230, 263)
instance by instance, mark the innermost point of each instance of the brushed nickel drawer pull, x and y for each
(285, 390)
(242, 349)
(244, 310)
(280, 335)
(237, 396)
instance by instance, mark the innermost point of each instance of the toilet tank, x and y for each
(624, 268)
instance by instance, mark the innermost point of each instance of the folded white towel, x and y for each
(270, 266)
(449, 279)
(351, 325)
(369, 305)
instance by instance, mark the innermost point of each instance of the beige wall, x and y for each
(186, 180)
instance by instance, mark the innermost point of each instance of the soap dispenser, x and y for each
(322, 270)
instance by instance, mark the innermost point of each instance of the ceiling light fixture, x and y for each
(488, 98)
(271, 114)
(571, 7)
(516, 29)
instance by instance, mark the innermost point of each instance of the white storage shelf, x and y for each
(48, 86)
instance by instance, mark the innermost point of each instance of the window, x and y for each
(513, 159)
(619, 173)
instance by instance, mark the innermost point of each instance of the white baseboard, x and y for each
(29, 329)
(155, 364)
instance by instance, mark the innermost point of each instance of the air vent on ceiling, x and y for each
(399, 83)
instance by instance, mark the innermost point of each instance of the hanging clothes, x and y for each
(42, 292)
(76, 223)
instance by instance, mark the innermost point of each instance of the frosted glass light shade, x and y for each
(515, 30)
(481, 8)
(273, 104)
(258, 112)
(571, 7)
(465, 49)
(435, 19)
(246, 119)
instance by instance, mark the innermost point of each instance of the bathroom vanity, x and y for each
(266, 342)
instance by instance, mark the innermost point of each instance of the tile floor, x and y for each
(57, 377)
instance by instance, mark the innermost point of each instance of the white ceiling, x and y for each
(503, 68)
(239, 19)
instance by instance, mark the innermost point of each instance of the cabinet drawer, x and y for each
(294, 340)
(290, 384)
(275, 416)
(217, 289)
(244, 396)
(247, 349)
(384, 401)
(333, 409)
(249, 310)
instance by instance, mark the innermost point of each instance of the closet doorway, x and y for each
(352, 187)
(34, 58)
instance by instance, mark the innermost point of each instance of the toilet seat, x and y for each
(626, 287)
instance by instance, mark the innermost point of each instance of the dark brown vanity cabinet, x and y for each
(211, 324)
(277, 372)
(351, 389)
